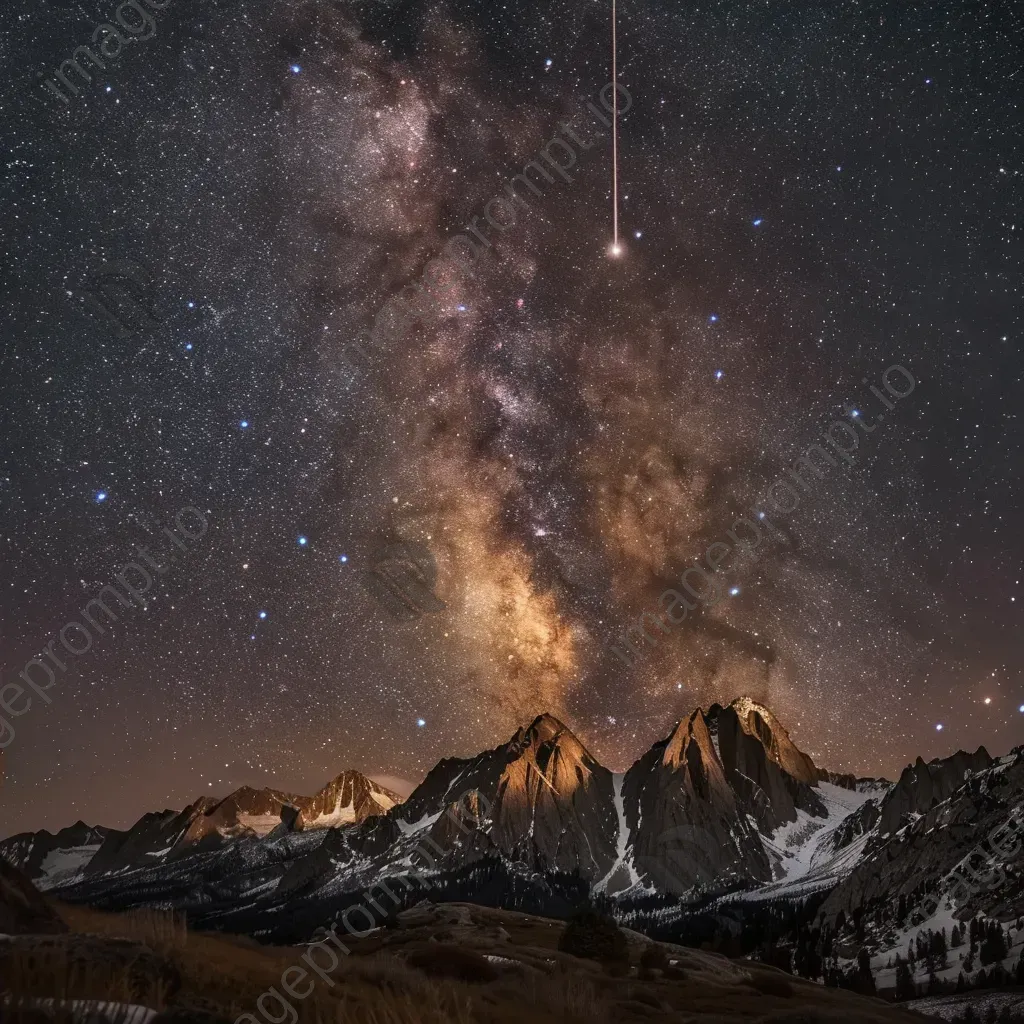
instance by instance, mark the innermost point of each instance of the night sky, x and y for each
(810, 194)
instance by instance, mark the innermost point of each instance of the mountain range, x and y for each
(723, 814)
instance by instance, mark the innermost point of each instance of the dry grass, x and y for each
(226, 976)
(162, 930)
(572, 997)
(58, 974)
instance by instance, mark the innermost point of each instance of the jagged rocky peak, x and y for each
(349, 798)
(692, 745)
(547, 756)
(758, 721)
(772, 778)
(685, 826)
(553, 803)
(923, 785)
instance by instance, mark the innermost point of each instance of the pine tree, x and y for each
(961, 982)
(865, 979)
(993, 948)
(905, 988)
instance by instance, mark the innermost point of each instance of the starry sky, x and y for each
(809, 194)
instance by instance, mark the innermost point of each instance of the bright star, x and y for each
(462, 309)
(101, 496)
(295, 69)
(939, 727)
(191, 305)
(856, 412)
(263, 615)
(421, 722)
(188, 347)
(615, 250)
(1021, 709)
(548, 62)
(244, 424)
(757, 223)
(713, 318)
(734, 591)
(342, 558)
(718, 374)
(303, 541)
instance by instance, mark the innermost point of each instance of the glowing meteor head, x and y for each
(615, 249)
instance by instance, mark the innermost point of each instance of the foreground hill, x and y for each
(433, 964)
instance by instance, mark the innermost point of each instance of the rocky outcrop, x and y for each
(687, 829)
(922, 786)
(23, 909)
(902, 866)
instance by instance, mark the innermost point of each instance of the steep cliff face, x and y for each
(771, 777)
(555, 803)
(686, 825)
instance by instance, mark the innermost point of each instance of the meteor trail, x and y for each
(616, 248)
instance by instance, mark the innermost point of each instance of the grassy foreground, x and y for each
(444, 964)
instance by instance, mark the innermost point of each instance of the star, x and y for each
(263, 615)
(295, 69)
(421, 722)
(244, 424)
(303, 541)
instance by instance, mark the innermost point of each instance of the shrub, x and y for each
(592, 936)
(654, 957)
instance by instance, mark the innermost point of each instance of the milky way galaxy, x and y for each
(806, 198)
